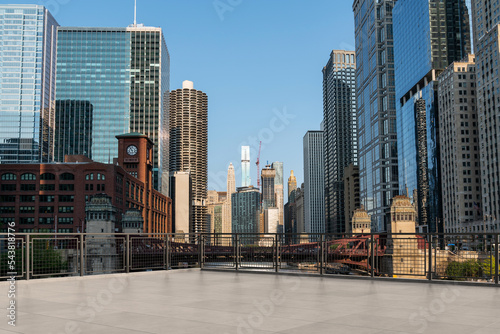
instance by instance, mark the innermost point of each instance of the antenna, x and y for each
(135, 13)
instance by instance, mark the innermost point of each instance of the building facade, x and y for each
(124, 73)
(278, 190)
(27, 82)
(340, 132)
(351, 194)
(268, 175)
(314, 183)
(459, 146)
(420, 55)
(226, 207)
(376, 108)
(51, 197)
(245, 206)
(292, 184)
(188, 124)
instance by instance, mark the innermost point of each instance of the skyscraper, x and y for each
(268, 195)
(376, 108)
(278, 190)
(27, 82)
(339, 137)
(420, 55)
(245, 206)
(189, 146)
(124, 74)
(245, 166)
(459, 146)
(226, 208)
(292, 184)
(314, 183)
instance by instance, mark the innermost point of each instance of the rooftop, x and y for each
(194, 301)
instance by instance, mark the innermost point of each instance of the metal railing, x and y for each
(459, 257)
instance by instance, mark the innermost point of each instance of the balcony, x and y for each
(121, 283)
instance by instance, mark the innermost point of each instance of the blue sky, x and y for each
(259, 61)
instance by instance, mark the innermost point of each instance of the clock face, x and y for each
(132, 150)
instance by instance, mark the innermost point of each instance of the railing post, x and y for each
(127, 253)
(237, 251)
(167, 250)
(277, 252)
(201, 246)
(496, 259)
(430, 258)
(321, 254)
(372, 255)
(82, 248)
(28, 257)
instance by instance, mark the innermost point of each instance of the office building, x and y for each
(292, 184)
(245, 206)
(124, 74)
(226, 207)
(278, 190)
(339, 136)
(485, 16)
(351, 194)
(360, 222)
(215, 202)
(459, 146)
(245, 166)
(376, 108)
(188, 124)
(271, 220)
(27, 82)
(314, 183)
(51, 197)
(420, 55)
(268, 175)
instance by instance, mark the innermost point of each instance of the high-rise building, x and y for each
(376, 108)
(314, 183)
(351, 194)
(268, 175)
(485, 16)
(421, 53)
(73, 129)
(226, 208)
(27, 82)
(292, 184)
(245, 206)
(188, 125)
(124, 74)
(339, 136)
(215, 203)
(459, 146)
(278, 190)
(245, 166)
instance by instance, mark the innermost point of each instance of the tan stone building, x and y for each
(292, 183)
(361, 222)
(226, 207)
(351, 193)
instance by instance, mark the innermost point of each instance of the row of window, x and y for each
(31, 209)
(44, 176)
(43, 187)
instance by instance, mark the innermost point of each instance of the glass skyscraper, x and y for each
(376, 108)
(27, 79)
(314, 183)
(428, 36)
(339, 136)
(124, 74)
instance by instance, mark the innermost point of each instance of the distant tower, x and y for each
(292, 184)
(189, 147)
(278, 189)
(245, 166)
(268, 198)
(226, 208)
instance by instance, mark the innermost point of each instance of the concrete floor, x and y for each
(194, 301)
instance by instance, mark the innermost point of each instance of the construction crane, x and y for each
(258, 165)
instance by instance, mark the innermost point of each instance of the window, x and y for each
(8, 187)
(46, 220)
(27, 220)
(46, 209)
(47, 187)
(67, 176)
(66, 198)
(7, 198)
(7, 209)
(27, 198)
(65, 209)
(65, 220)
(66, 187)
(47, 198)
(9, 177)
(26, 209)
(28, 187)
(28, 176)
(89, 176)
(47, 176)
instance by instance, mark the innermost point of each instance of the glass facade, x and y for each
(27, 72)
(245, 207)
(340, 137)
(314, 183)
(376, 108)
(428, 36)
(124, 74)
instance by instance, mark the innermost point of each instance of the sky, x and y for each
(259, 61)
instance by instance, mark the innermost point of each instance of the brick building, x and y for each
(46, 197)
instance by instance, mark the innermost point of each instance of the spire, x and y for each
(135, 13)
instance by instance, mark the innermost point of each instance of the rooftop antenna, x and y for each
(135, 13)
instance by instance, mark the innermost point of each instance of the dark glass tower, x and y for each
(376, 108)
(428, 36)
(124, 74)
(339, 138)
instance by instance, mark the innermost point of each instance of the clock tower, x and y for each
(135, 155)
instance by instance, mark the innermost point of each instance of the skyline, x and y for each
(268, 50)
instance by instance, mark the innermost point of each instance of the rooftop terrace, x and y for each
(203, 301)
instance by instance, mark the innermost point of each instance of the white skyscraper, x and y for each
(245, 166)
